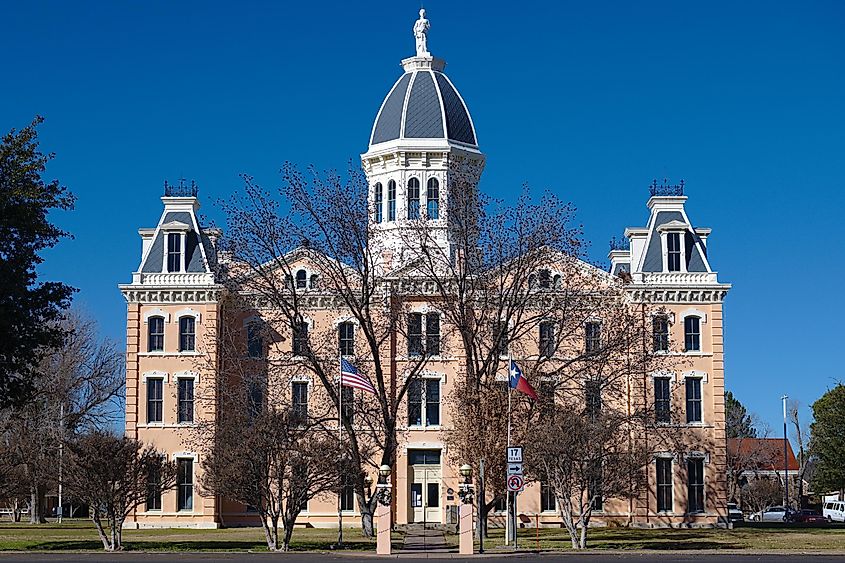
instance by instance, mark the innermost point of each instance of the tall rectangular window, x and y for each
(413, 199)
(348, 403)
(673, 252)
(547, 339)
(347, 495)
(254, 340)
(379, 203)
(695, 484)
(153, 500)
(255, 399)
(432, 402)
(660, 332)
(594, 487)
(155, 399)
(185, 410)
(592, 394)
(185, 484)
(415, 402)
(662, 402)
(692, 334)
(415, 346)
(592, 335)
(391, 200)
(187, 334)
(693, 385)
(346, 338)
(433, 199)
(500, 336)
(664, 484)
(432, 334)
(547, 498)
(300, 339)
(155, 334)
(174, 252)
(299, 390)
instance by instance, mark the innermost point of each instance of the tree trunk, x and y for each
(367, 508)
(271, 537)
(36, 505)
(100, 532)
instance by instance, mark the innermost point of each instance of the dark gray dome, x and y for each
(421, 105)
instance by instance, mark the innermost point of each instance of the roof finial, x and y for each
(421, 34)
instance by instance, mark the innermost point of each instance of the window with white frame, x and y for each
(673, 252)
(693, 388)
(185, 400)
(660, 333)
(300, 338)
(153, 500)
(592, 399)
(254, 340)
(301, 279)
(695, 484)
(416, 337)
(547, 339)
(424, 402)
(413, 198)
(155, 334)
(433, 199)
(187, 334)
(155, 399)
(662, 399)
(692, 333)
(548, 503)
(592, 337)
(347, 495)
(545, 279)
(299, 411)
(346, 338)
(185, 483)
(663, 467)
(348, 403)
(174, 252)
(391, 200)
(378, 201)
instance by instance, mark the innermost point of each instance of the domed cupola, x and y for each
(423, 103)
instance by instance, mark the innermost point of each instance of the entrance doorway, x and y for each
(425, 476)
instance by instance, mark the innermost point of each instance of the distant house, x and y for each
(752, 459)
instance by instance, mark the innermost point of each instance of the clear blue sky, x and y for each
(744, 100)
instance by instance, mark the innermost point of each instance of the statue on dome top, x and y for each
(421, 34)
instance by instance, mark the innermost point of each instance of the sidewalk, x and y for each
(419, 540)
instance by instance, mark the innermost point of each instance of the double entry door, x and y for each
(424, 498)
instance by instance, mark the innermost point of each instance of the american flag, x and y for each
(350, 377)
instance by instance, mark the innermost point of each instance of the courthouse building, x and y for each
(174, 314)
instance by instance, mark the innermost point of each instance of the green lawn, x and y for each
(756, 539)
(75, 535)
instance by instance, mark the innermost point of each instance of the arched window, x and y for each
(155, 334)
(378, 201)
(301, 279)
(391, 200)
(413, 199)
(187, 334)
(556, 281)
(692, 333)
(532, 281)
(315, 281)
(432, 199)
(545, 279)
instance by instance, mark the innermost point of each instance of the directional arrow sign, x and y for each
(515, 483)
(514, 469)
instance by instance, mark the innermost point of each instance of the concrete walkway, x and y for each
(424, 540)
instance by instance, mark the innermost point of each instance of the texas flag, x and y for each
(518, 381)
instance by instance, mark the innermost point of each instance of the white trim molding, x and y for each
(155, 374)
(157, 312)
(188, 312)
(698, 455)
(187, 374)
(694, 313)
(185, 455)
(695, 373)
(663, 374)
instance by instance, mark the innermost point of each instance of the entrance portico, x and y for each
(425, 477)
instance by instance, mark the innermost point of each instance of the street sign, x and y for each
(514, 469)
(515, 454)
(515, 483)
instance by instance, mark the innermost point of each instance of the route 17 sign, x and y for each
(515, 454)
(515, 483)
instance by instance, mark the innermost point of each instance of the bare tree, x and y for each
(802, 439)
(78, 387)
(761, 493)
(328, 226)
(114, 475)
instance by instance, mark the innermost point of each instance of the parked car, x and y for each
(834, 511)
(771, 514)
(734, 513)
(806, 517)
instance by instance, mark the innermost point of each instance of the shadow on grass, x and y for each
(194, 546)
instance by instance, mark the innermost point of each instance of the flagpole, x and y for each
(507, 493)
(340, 442)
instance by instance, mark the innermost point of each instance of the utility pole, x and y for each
(785, 460)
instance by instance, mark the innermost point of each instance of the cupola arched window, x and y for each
(391, 200)
(301, 279)
(432, 199)
(545, 279)
(413, 199)
(556, 281)
(315, 281)
(378, 199)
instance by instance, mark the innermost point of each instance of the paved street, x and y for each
(408, 557)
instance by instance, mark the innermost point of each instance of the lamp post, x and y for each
(465, 493)
(785, 460)
(383, 498)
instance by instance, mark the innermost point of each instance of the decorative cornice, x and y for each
(164, 295)
(711, 294)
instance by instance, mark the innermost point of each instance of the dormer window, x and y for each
(545, 279)
(301, 279)
(174, 252)
(673, 252)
